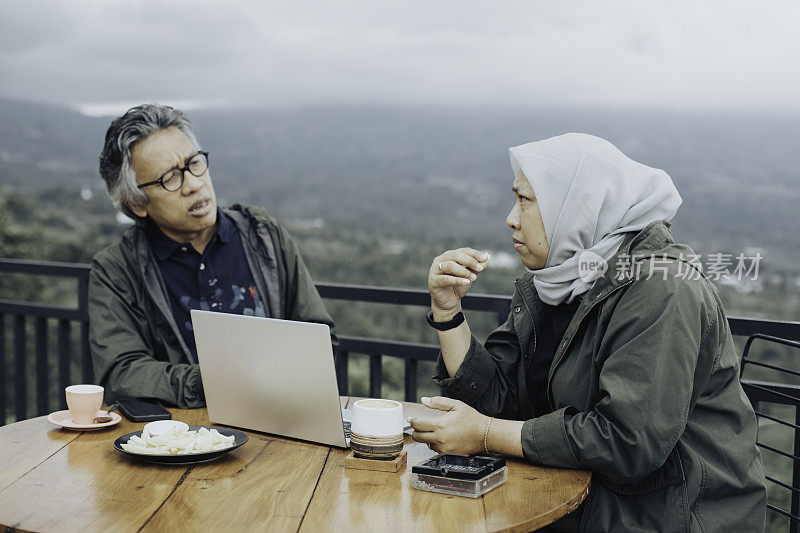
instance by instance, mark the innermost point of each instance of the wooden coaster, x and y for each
(357, 463)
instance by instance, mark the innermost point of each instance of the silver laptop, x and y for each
(270, 375)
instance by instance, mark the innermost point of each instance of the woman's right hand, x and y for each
(449, 279)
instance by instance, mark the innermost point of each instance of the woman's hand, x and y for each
(460, 430)
(449, 279)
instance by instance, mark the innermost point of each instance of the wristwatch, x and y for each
(454, 322)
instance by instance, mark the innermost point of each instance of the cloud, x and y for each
(530, 53)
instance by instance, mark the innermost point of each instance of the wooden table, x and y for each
(58, 480)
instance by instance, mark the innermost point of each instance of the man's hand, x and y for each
(460, 430)
(449, 279)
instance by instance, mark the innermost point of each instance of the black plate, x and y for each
(186, 458)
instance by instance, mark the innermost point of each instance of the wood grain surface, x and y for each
(24, 446)
(59, 480)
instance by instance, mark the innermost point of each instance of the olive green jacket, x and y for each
(644, 390)
(137, 349)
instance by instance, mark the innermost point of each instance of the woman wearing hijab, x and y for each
(616, 356)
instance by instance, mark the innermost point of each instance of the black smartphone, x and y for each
(140, 410)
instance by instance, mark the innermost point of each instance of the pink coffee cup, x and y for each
(84, 401)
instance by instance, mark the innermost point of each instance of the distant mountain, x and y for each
(444, 171)
(49, 137)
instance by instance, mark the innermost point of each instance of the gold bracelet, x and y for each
(486, 435)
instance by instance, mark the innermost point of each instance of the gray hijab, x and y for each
(590, 195)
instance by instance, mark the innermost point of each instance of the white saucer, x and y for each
(64, 419)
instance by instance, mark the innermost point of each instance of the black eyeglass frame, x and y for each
(182, 170)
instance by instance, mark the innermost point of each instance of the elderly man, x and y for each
(183, 253)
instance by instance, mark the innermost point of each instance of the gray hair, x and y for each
(136, 124)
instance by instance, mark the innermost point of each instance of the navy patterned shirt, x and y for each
(219, 279)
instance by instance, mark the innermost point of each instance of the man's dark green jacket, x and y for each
(644, 390)
(136, 346)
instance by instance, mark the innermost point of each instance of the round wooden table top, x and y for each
(53, 479)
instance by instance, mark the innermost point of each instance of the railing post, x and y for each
(3, 387)
(20, 372)
(83, 308)
(64, 351)
(411, 380)
(375, 375)
(342, 360)
(40, 342)
(794, 526)
(86, 356)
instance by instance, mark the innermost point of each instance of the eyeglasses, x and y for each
(172, 179)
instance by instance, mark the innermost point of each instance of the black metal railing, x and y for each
(42, 315)
(760, 392)
(21, 312)
(410, 352)
(783, 332)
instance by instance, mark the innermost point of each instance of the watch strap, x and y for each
(454, 322)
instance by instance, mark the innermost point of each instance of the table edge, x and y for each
(550, 516)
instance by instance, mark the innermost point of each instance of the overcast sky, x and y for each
(102, 55)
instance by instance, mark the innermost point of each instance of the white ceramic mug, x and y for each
(377, 418)
(376, 429)
(84, 401)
